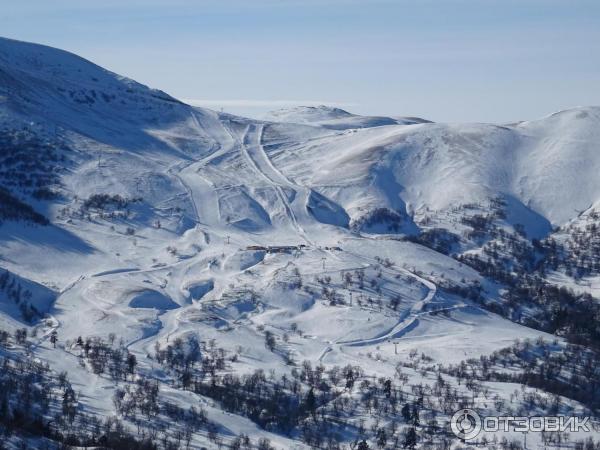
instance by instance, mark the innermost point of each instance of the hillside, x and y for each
(334, 118)
(203, 277)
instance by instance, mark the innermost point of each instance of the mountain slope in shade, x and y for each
(51, 89)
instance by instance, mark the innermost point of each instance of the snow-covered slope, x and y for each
(558, 163)
(278, 241)
(334, 118)
(549, 166)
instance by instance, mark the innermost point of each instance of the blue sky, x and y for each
(446, 60)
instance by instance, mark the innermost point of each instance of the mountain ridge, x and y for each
(232, 277)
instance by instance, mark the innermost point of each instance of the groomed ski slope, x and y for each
(193, 254)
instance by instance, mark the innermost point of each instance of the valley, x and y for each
(321, 280)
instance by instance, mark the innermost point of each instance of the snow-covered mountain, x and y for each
(334, 118)
(212, 246)
(547, 166)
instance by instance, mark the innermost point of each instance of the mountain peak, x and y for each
(49, 84)
(307, 114)
(334, 118)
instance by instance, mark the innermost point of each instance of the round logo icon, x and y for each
(465, 424)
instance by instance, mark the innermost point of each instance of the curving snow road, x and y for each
(406, 322)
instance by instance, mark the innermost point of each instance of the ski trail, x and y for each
(177, 173)
(258, 160)
(301, 193)
(261, 163)
(55, 323)
(264, 164)
(207, 201)
(407, 321)
(203, 193)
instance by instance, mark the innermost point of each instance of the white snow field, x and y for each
(231, 229)
(334, 118)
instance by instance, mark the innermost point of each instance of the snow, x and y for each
(334, 118)
(151, 299)
(219, 184)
